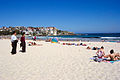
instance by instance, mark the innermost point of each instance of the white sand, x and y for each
(56, 62)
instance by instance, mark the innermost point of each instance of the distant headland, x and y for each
(34, 31)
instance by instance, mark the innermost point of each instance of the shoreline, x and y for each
(68, 39)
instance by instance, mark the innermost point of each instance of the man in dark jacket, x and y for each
(23, 44)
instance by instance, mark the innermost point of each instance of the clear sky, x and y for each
(71, 15)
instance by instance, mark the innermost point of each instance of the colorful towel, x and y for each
(111, 61)
(96, 59)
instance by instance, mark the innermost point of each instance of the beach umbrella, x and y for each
(54, 40)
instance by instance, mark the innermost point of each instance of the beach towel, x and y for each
(112, 61)
(96, 59)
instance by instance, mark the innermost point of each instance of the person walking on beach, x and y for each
(14, 43)
(23, 44)
(34, 38)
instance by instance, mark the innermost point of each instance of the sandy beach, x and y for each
(56, 62)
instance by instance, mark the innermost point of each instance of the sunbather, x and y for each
(100, 53)
(34, 44)
(113, 56)
(95, 48)
(88, 48)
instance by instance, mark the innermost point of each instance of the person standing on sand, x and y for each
(35, 38)
(23, 44)
(14, 41)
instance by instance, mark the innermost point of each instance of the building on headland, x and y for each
(51, 30)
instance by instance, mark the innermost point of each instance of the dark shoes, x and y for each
(13, 53)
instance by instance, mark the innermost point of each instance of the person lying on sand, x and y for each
(88, 48)
(81, 44)
(48, 40)
(113, 56)
(95, 48)
(67, 43)
(34, 44)
(100, 53)
(84, 45)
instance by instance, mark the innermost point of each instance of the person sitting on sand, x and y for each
(33, 43)
(100, 53)
(88, 48)
(113, 56)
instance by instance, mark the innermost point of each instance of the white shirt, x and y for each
(13, 37)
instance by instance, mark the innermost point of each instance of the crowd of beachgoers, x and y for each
(99, 56)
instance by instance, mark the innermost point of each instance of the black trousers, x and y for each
(23, 45)
(14, 46)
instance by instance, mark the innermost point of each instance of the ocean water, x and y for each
(113, 37)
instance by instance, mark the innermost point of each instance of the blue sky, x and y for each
(88, 16)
